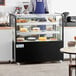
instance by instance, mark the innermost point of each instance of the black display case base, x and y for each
(39, 52)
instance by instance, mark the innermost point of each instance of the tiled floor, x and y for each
(44, 69)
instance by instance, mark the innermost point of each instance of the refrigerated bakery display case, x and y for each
(38, 37)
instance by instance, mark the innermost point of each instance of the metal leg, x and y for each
(70, 58)
(75, 65)
(72, 66)
(70, 70)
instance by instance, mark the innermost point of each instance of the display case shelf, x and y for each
(40, 32)
(37, 23)
(35, 15)
(36, 41)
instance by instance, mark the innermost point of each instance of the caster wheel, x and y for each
(60, 61)
(18, 63)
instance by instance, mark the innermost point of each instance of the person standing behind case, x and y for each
(39, 7)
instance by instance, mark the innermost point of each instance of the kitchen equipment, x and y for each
(17, 10)
(25, 5)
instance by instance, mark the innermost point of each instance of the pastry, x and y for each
(20, 39)
(23, 30)
(53, 39)
(51, 20)
(36, 29)
(42, 38)
(21, 20)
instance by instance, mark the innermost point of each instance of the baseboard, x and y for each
(67, 59)
(6, 62)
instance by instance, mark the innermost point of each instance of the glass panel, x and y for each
(36, 28)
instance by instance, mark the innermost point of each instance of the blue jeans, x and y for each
(42, 27)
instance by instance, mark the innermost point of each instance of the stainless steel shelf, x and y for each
(40, 32)
(38, 23)
(37, 40)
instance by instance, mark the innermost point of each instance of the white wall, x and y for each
(69, 33)
(58, 6)
(9, 4)
(5, 45)
(8, 8)
(63, 6)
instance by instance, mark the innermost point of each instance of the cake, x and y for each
(36, 29)
(20, 39)
(42, 38)
(21, 20)
(54, 39)
(23, 30)
(51, 20)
